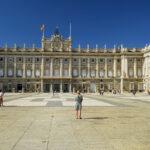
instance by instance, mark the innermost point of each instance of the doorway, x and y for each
(47, 87)
(19, 87)
(56, 87)
(66, 88)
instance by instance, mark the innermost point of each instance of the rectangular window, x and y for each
(92, 73)
(130, 72)
(118, 73)
(140, 86)
(139, 73)
(19, 73)
(28, 73)
(75, 72)
(109, 73)
(47, 72)
(37, 73)
(101, 73)
(131, 86)
(84, 73)
(10, 72)
(1, 73)
(65, 72)
(56, 72)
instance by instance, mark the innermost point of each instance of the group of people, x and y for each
(1, 98)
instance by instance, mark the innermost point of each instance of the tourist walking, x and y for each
(1, 98)
(78, 105)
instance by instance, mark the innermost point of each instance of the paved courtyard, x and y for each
(41, 121)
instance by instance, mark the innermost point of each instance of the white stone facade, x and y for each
(57, 66)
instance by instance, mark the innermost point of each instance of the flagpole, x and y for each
(43, 32)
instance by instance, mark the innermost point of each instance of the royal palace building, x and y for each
(59, 67)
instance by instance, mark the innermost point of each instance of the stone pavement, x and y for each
(109, 123)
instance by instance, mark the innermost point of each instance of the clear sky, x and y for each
(99, 22)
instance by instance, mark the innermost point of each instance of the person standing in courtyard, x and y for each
(78, 105)
(1, 98)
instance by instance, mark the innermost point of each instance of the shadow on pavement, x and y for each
(101, 118)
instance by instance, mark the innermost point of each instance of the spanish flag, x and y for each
(42, 27)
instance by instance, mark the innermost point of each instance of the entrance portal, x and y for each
(47, 87)
(66, 88)
(19, 87)
(56, 88)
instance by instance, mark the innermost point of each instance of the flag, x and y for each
(42, 27)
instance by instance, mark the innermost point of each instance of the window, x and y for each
(110, 60)
(10, 72)
(101, 60)
(75, 60)
(47, 59)
(118, 60)
(140, 86)
(1, 72)
(139, 73)
(56, 72)
(101, 86)
(83, 60)
(37, 59)
(101, 73)
(92, 73)
(47, 72)
(118, 73)
(1, 59)
(10, 59)
(66, 60)
(28, 59)
(37, 73)
(110, 86)
(131, 86)
(84, 73)
(130, 73)
(19, 59)
(28, 86)
(28, 73)
(109, 73)
(75, 73)
(65, 72)
(19, 73)
(92, 60)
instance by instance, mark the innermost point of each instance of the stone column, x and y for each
(115, 67)
(15, 67)
(61, 86)
(24, 67)
(33, 67)
(122, 66)
(88, 73)
(105, 67)
(70, 85)
(42, 68)
(121, 85)
(70, 67)
(126, 64)
(135, 72)
(79, 67)
(97, 68)
(5, 67)
(51, 87)
(61, 67)
(51, 71)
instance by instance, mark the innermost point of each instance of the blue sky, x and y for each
(94, 22)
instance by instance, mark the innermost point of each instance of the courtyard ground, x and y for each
(41, 121)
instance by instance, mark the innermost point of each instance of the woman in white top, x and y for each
(1, 98)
